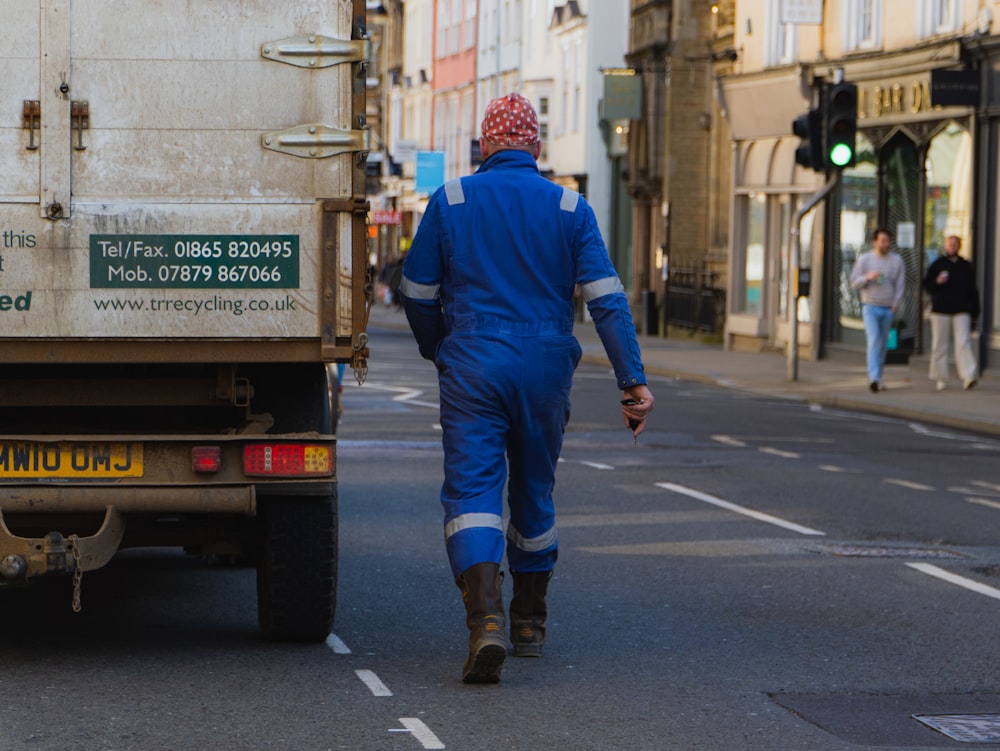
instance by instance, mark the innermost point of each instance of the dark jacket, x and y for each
(959, 293)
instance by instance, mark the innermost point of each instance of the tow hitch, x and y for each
(24, 558)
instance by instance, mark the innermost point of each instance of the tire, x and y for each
(297, 569)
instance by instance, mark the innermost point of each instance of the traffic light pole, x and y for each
(792, 359)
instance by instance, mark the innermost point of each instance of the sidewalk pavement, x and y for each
(838, 382)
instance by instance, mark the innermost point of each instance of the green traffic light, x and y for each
(841, 155)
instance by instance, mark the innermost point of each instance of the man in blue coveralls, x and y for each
(488, 291)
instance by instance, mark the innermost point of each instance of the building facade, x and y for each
(678, 162)
(914, 174)
(453, 117)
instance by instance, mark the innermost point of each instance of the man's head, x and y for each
(952, 244)
(510, 122)
(882, 239)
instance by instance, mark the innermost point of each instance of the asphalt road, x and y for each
(754, 574)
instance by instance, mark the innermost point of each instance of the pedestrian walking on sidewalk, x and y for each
(488, 291)
(881, 277)
(951, 283)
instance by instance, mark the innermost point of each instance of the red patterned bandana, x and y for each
(510, 121)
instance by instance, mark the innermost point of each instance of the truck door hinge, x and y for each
(315, 51)
(317, 141)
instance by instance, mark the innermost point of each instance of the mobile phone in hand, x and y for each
(632, 424)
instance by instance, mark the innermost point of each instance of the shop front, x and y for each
(768, 189)
(914, 176)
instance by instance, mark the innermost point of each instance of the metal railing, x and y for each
(696, 299)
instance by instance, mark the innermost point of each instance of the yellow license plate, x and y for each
(68, 461)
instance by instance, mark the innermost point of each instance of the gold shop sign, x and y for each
(895, 98)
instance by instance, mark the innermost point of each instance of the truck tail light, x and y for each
(287, 459)
(206, 459)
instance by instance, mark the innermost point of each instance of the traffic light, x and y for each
(809, 128)
(841, 124)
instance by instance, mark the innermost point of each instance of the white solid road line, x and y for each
(333, 642)
(970, 584)
(421, 732)
(759, 516)
(372, 681)
(907, 484)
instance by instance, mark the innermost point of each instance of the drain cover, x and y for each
(969, 728)
(873, 551)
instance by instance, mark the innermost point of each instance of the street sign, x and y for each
(802, 11)
(404, 151)
(387, 217)
(430, 171)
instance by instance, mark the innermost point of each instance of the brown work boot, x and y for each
(480, 585)
(528, 612)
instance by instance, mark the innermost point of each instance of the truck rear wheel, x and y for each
(297, 569)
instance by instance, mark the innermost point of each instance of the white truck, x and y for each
(183, 263)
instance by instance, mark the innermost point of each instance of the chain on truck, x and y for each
(183, 264)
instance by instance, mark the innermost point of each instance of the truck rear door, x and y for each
(181, 173)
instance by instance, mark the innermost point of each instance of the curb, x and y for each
(833, 401)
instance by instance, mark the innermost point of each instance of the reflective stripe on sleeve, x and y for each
(609, 285)
(453, 191)
(569, 200)
(416, 291)
(472, 521)
(532, 544)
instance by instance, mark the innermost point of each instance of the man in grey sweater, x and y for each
(881, 277)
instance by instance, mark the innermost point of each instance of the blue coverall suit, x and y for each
(488, 290)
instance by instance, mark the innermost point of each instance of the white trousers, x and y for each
(943, 326)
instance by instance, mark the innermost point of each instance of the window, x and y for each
(782, 39)
(470, 23)
(564, 109)
(754, 218)
(938, 17)
(577, 70)
(543, 136)
(862, 24)
(543, 105)
(455, 23)
(442, 28)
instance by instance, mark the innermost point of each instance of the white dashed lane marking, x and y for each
(420, 731)
(374, 684)
(758, 515)
(778, 452)
(984, 502)
(907, 484)
(592, 465)
(333, 642)
(728, 440)
(970, 584)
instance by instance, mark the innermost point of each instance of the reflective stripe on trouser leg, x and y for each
(472, 375)
(533, 451)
